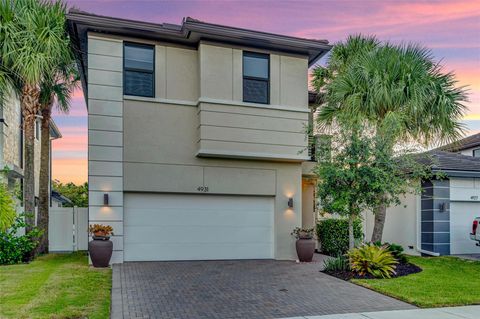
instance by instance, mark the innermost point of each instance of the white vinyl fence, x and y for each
(67, 229)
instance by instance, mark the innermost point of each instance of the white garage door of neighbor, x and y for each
(461, 217)
(197, 227)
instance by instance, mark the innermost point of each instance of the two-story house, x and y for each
(197, 137)
(12, 143)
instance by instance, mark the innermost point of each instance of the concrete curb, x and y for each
(116, 307)
(466, 312)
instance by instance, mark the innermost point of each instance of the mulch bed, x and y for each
(401, 270)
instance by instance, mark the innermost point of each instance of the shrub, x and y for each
(16, 248)
(7, 208)
(339, 263)
(372, 260)
(396, 250)
(333, 235)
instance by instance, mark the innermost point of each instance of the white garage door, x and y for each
(197, 227)
(461, 217)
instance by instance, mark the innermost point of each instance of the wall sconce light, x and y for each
(290, 202)
(105, 199)
(442, 207)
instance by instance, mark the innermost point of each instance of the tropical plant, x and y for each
(14, 247)
(396, 250)
(373, 260)
(33, 39)
(56, 87)
(303, 233)
(366, 80)
(7, 208)
(332, 233)
(78, 194)
(100, 230)
(340, 263)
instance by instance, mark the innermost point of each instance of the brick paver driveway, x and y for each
(236, 289)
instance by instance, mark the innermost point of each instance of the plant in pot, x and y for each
(305, 244)
(101, 247)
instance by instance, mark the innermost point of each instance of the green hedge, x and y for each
(333, 235)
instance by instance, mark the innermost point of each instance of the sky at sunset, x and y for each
(450, 28)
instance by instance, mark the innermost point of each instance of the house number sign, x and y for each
(203, 189)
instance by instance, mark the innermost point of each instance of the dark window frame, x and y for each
(474, 151)
(245, 77)
(145, 46)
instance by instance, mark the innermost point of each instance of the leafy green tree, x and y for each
(377, 82)
(361, 166)
(78, 194)
(33, 39)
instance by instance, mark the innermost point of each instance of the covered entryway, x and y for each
(462, 215)
(160, 227)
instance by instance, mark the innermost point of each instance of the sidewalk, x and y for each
(467, 312)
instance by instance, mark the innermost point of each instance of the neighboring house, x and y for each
(197, 144)
(440, 219)
(58, 200)
(470, 146)
(12, 143)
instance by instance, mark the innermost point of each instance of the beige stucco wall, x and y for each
(159, 156)
(151, 144)
(401, 224)
(105, 136)
(228, 127)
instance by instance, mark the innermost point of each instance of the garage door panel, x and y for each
(215, 251)
(461, 218)
(198, 217)
(167, 234)
(197, 227)
(178, 201)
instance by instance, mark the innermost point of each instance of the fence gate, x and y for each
(68, 229)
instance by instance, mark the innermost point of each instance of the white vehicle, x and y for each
(475, 234)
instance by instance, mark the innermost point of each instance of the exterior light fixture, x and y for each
(442, 207)
(105, 199)
(290, 202)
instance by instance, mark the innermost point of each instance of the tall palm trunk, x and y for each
(44, 184)
(29, 104)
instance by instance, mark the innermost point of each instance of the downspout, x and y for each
(419, 233)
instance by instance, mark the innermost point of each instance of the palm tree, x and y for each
(56, 87)
(33, 39)
(399, 83)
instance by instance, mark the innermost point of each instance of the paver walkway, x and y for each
(236, 289)
(467, 312)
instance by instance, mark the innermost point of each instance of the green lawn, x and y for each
(55, 286)
(444, 281)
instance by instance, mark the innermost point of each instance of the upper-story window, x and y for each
(256, 77)
(138, 70)
(476, 153)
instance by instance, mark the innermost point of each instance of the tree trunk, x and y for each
(44, 180)
(380, 214)
(29, 104)
(351, 237)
